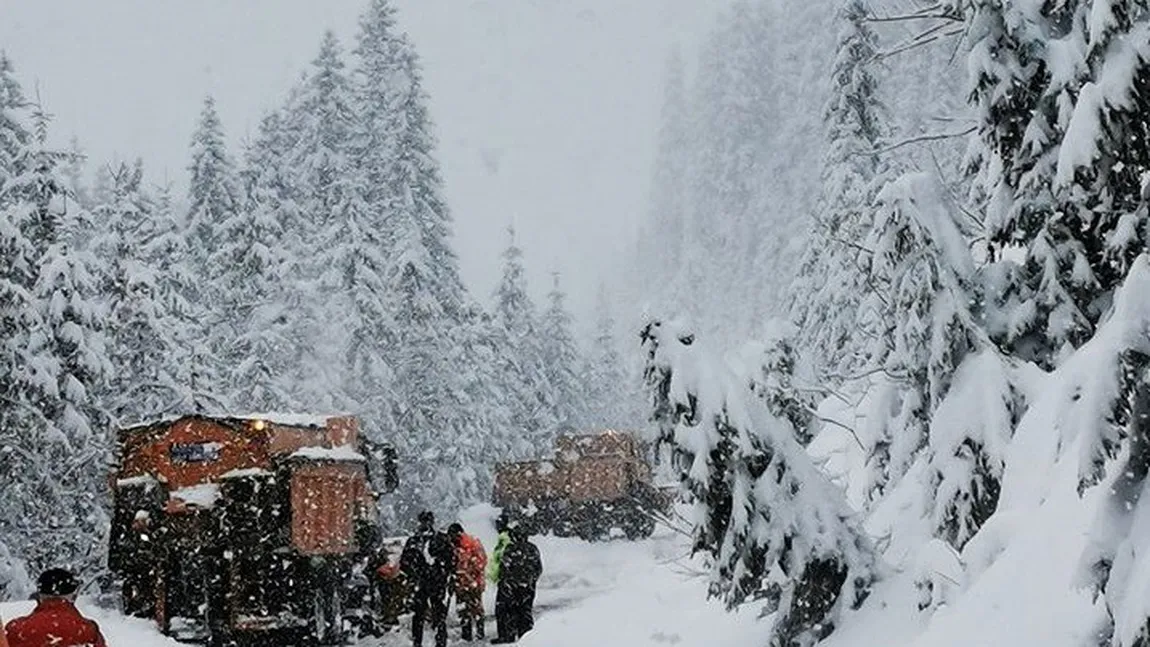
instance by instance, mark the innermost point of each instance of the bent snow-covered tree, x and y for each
(1105, 414)
(765, 515)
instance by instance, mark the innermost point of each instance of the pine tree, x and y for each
(255, 281)
(339, 237)
(53, 432)
(1103, 162)
(74, 174)
(561, 361)
(829, 300)
(18, 318)
(1045, 305)
(213, 198)
(521, 360)
(142, 347)
(762, 506)
(923, 270)
(604, 375)
(394, 149)
(773, 380)
(164, 246)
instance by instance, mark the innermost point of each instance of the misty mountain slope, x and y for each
(738, 176)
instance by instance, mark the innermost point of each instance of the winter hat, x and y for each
(57, 582)
(455, 529)
(426, 518)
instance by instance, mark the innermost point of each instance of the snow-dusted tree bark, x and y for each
(764, 513)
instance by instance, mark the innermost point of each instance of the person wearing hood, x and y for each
(55, 622)
(427, 563)
(471, 561)
(519, 571)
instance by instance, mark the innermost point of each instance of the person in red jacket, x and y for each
(55, 622)
(470, 568)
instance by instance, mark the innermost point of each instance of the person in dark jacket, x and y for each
(427, 563)
(519, 573)
(55, 622)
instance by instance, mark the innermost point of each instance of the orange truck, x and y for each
(247, 528)
(595, 484)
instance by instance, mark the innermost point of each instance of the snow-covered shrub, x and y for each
(771, 366)
(969, 436)
(1108, 409)
(759, 501)
(922, 268)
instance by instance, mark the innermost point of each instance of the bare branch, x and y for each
(925, 38)
(916, 140)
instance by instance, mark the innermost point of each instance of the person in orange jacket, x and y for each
(55, 622)
(471, 566)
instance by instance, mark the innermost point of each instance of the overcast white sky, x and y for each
(545, 109)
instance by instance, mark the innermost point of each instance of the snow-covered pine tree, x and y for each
(734, 97)
(771, 523)
(319, 119)
(339, 239)
(163, 246)
(604, 375)
(213, 198)
(831, 302)
(1102, 174)
(75, 171)
(969, 435)
(255, 293)
(522, 358)
(17, 320)
(561, 360)
(141, 346)
(1021, 88)
(772, 368)
(55, 442)
(1103, 409)
(394, 148)
(922, 268)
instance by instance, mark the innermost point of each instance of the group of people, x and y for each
(436, 566)
(439, 565)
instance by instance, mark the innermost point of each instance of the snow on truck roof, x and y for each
(340, 453)
(276, 418)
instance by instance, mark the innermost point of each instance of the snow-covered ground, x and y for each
(118, 630)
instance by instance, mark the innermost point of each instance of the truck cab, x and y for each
(247, 525)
